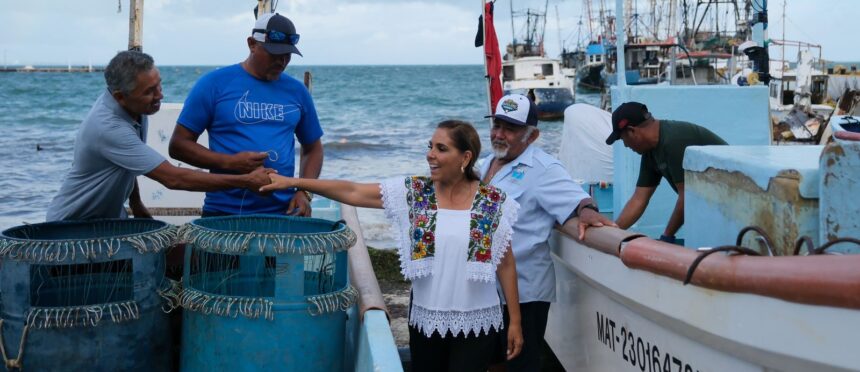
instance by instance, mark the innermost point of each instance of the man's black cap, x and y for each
(283, 30)
(629, 114)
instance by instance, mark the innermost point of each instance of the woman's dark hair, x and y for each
(465, 138)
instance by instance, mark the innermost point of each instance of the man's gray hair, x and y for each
(528, 133)
(121, 73)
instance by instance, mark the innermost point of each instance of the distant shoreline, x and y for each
(291, 65)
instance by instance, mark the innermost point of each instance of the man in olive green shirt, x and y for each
(662, 145)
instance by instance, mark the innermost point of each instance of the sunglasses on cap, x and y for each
(278, 37)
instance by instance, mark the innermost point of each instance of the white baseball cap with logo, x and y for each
(516, 109)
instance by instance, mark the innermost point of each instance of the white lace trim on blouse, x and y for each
(477, 321)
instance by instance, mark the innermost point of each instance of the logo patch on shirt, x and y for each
(247, 112)
(518, 172)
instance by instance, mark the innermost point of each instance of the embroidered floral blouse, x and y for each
(450, 255)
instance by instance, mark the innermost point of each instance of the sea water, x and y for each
(377, 122)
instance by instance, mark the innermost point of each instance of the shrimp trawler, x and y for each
(527, 70)
(768, 278)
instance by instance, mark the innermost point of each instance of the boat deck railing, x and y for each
(826, 280)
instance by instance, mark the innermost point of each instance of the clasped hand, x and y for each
(247, 161)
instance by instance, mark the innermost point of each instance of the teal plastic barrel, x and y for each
(84, 296)
(265, 292)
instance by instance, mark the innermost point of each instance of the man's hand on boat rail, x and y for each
(589, 217)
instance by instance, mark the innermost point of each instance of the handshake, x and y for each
(258, 178)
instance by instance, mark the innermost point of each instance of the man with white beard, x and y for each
(547, 196)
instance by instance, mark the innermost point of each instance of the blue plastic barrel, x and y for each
(83, 296)
(264, 292)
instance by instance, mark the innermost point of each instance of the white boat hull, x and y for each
(609, 317)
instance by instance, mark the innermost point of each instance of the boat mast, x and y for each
(587, 5)
(558, 29)
(602, 22)
(135, 25)
(782, 58)
(620, 76)
(543, 28)
(670, 25)
(513, 31)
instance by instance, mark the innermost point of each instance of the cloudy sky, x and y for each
(334, 32)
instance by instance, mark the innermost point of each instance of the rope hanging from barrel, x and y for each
(16, 363)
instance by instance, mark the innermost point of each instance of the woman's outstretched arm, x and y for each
(507, 272)
(358, 194)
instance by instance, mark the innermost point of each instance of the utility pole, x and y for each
(264, 6)
(135, 25)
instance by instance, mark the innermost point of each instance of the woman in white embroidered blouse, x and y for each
(453, 232)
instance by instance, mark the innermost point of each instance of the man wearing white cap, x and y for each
(547, 196)
(252, 112)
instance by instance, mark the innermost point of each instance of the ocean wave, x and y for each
(347, 145)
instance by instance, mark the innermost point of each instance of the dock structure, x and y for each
(52, 69)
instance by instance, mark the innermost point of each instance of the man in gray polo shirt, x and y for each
(110, 151)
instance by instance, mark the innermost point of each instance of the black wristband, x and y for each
(592, 207)
(578, 209)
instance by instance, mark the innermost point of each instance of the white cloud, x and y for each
(213, 32)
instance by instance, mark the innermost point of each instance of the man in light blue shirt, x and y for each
(547, 196)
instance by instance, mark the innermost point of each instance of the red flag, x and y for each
(493, 57)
